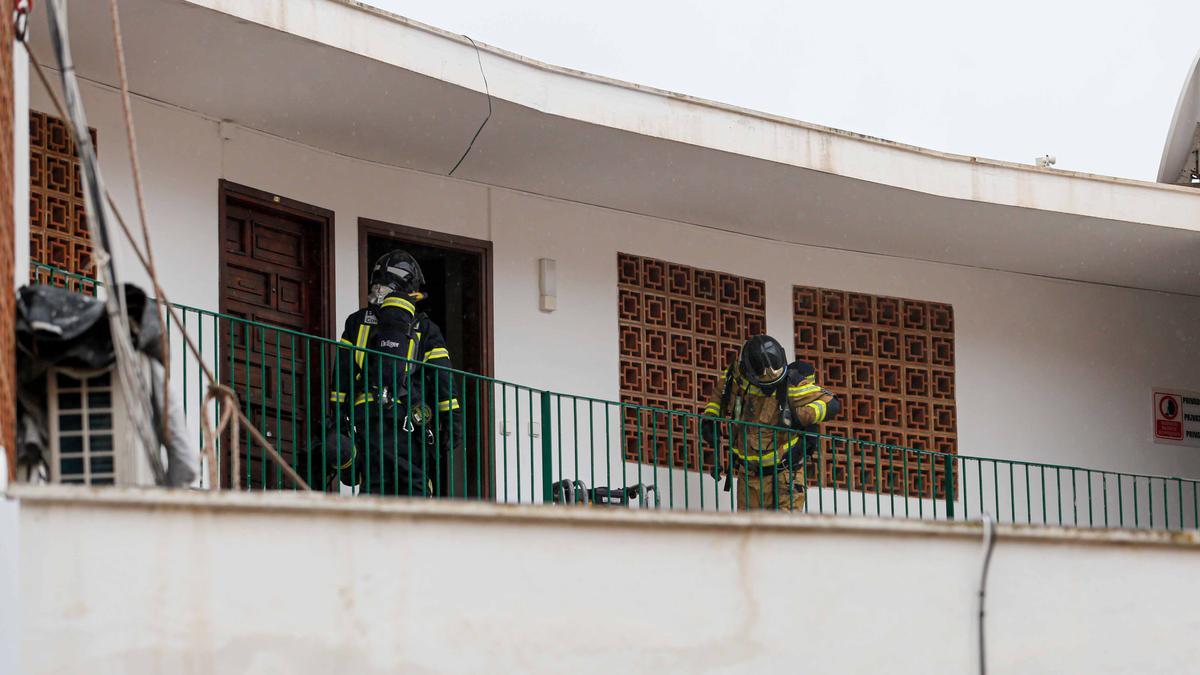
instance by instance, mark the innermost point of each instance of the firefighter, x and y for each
(394, 419)
(760, 391)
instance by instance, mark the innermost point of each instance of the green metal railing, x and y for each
(512, 443)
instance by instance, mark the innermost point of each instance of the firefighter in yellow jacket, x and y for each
(393, 418)
(759, 394)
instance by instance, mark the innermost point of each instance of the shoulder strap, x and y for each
(727, 392)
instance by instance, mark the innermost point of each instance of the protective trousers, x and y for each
(770, 489)
(391, 455)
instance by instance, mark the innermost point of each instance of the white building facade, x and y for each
(284, 143)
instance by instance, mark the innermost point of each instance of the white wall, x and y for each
(1047, 370)
(122, 582)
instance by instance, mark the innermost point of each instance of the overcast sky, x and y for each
(1094, 83)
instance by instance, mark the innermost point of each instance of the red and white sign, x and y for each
(1177, 417)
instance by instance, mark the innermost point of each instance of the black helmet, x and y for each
(762, 361)
(397, 271)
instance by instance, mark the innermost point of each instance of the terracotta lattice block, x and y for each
(706, 319)
(683, 347)
(631, 340)
(804, 302)
(806, 337)
(891, 362)
(731, 323)
(679, 327)
(629, 305)
(58, 226)
(629, 270)
(681, 315)
(680, 280)
(706, 285)
(655, 344)
(862, 341)
(833, 338)
(707, 355)
(654, 275)
(943, 351)
(655, 309)
(862, 375)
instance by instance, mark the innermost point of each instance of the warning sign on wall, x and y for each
(1177, 417)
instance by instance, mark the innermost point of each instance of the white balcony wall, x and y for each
(154, 582)
(1047, 370)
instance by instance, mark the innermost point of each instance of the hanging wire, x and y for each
(134, 390)
(989, 543)
(135, 167)
(223, 395)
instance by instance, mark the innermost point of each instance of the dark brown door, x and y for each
(275, 272)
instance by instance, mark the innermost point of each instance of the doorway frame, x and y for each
(268, 200)
(482, 247)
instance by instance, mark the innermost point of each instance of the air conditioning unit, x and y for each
(90, 439)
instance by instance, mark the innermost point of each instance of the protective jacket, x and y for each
(396, 328)
(798, 403)
(384, 434)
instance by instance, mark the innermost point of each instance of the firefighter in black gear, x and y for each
(394, 419)
(760, 391)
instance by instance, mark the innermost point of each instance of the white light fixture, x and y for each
(547, 284)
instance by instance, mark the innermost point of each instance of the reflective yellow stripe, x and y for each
(713, 408)
(770, 458)
(364, 331)
(412, 347)
(345, 341)
(401, 303)
(364, 398)
(803, 390)
(437, 353)
(447, 406)
(348, 462)
(819, 408)
(337, 397)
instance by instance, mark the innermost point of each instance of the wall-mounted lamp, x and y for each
(547, 284)
(1195, 177)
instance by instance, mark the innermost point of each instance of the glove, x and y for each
(710, 430)
(450, 431)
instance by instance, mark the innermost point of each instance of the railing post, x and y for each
(547, 452)
(948, 467)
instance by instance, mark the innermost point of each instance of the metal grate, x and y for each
(58, 226)
(891, 362)
(679, 326)
(81, 428)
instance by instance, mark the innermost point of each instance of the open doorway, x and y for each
(458, 281)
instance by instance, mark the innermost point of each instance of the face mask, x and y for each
(378, 294)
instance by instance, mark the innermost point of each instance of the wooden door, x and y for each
(275, 270)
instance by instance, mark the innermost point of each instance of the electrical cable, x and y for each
(227, 399)
(487, 90)
(134, 389)
(989, 543)
(135, 166)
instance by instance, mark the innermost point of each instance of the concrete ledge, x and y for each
(533, 514)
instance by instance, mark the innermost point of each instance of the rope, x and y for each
(131, 139)
(234, 408)
(222, 395)
(134, 390)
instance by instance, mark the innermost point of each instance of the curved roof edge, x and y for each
(370, 32)
(1181, 135)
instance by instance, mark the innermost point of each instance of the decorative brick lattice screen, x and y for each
(891, 362)
(679, 326)
(58, 227)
